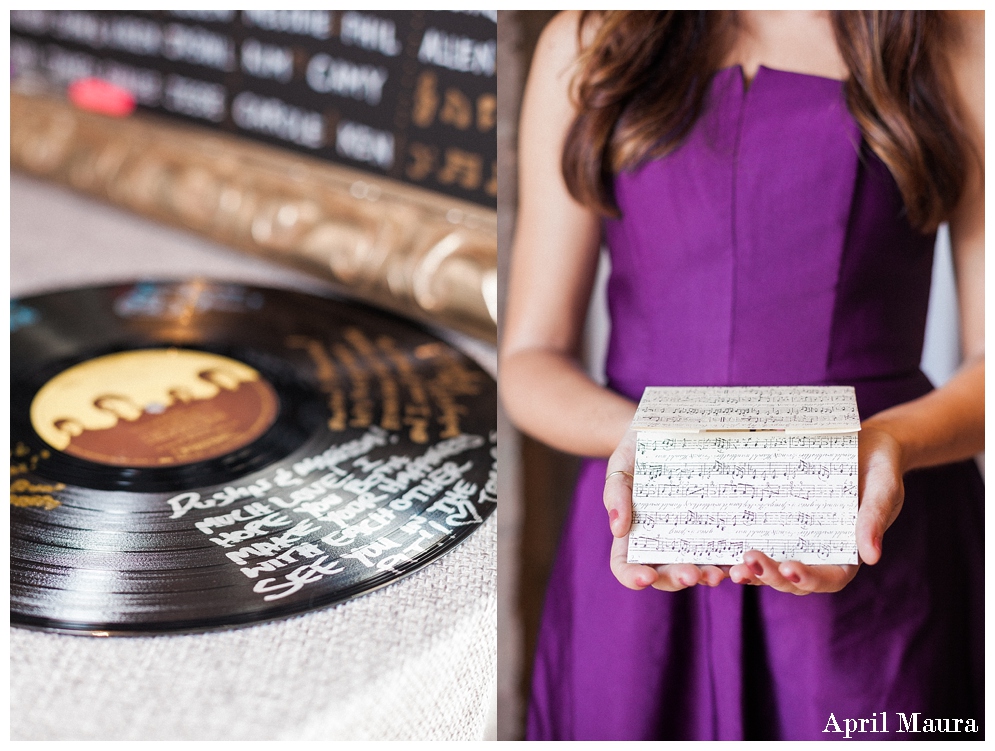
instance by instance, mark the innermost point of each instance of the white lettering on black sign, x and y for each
(370, 32)
(79, 26)
(365, 144)
(195, 98)
(458, 53)
(193, 44)
(220, 16)
(31, 21)
(66, 66)
(24, 55)
(329, 75)
(315, 23)
(134, 35)
(143, 83)
(267, 60)
(275, 117)
(490, 15)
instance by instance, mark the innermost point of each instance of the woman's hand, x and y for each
(881, 492)
(880, 489)
(618, 502)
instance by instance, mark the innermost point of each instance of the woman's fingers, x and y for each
(881, 493)
(677, 576)
(881, 490)
(668, 578)
(632, 575)
(790, 576)
(618, 485)
(618, 501)
(741, 574)
(880, 503)
(767, 571)
(712, 575)
(808, 579)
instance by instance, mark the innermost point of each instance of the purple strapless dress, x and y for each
(770, 248)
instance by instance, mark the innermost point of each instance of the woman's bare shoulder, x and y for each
(966, 41)
(968, 19)
(965, 49)
(567, 34)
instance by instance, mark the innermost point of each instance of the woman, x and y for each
(768, 185)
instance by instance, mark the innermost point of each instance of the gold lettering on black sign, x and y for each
(462, 168)
(486, 112)
(490, 188)
(422, 161)
(457, 109)
(426, 100)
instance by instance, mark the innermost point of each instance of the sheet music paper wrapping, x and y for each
(723, 470)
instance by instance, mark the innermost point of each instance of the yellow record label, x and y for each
(154, 408)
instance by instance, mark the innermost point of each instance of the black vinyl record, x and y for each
(196, 455)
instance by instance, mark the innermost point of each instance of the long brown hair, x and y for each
(643, 80)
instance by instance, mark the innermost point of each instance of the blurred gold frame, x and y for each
(418, 253)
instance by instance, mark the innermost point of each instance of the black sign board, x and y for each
(410, 95)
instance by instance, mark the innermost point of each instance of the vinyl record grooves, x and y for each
(189, 456)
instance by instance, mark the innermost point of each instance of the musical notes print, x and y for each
(819, 409)
(708, 497)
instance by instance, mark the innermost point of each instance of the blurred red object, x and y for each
(97, 95)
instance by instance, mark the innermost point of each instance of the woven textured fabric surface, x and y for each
(414, 660)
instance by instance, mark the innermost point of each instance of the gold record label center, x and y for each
(154, 408)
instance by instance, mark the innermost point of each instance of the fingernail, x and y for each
(756, 568)
(612, 518)
(792, 577)
(877, 544)
(684, 580)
